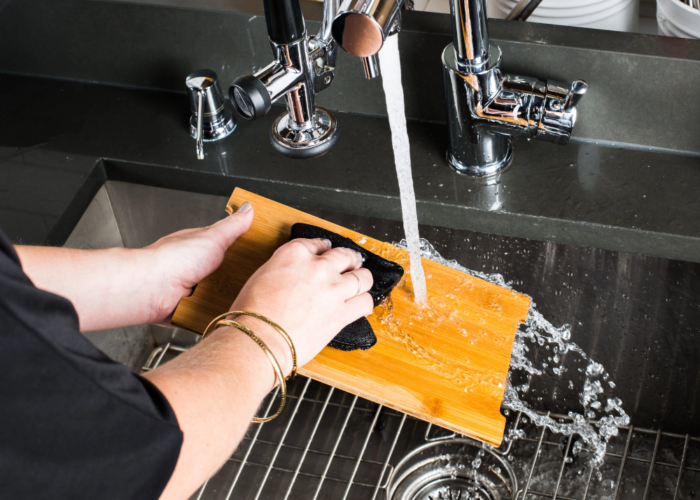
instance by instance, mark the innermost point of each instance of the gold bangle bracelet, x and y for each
(269, 322)
(270, 356)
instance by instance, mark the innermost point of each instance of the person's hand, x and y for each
(179, 261)
(308, 290)
(305, 287)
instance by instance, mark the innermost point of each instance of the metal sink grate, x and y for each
(329, 444)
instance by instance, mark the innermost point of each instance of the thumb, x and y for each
(227, 230)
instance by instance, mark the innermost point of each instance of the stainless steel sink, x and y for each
(639, 316)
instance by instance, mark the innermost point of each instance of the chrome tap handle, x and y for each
(578, 90)
(200, 113)
(558, 115)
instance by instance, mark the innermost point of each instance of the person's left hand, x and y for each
(181, 260)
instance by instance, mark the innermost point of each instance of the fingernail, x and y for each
(360, 256)
(245, 208)
(328, 243)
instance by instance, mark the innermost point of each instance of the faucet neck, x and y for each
(285, 21)
(471, 35)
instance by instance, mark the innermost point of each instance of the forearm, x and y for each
(215, 389)
(109, 288)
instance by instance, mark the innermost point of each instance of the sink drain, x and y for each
(455, 469)
(455, 489)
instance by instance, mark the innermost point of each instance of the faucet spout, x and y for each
(470, 33)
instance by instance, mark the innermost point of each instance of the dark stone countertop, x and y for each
(66, 138)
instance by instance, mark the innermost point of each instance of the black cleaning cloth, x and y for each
(386, 274)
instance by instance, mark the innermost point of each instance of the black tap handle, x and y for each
(285, 21)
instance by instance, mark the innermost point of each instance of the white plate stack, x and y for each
(677, 19)
(615, 15)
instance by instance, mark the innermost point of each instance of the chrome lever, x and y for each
(200, 142)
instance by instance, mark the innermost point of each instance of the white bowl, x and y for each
(562, 8)
(616, 15)
(678, 19)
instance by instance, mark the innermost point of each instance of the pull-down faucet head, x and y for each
(363, 26)
(486, 108)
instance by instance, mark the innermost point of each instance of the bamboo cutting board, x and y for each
(446, 362)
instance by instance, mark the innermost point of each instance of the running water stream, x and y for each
(393, 91)
(600, 413)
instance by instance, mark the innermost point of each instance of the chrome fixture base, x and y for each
(215, 130)
(307, 141)
(478, 169)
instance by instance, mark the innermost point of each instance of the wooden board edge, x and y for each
(488, 439)
(187, 329)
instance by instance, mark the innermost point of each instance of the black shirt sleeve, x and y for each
(73, 423)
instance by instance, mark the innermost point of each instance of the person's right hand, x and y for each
(308, 290)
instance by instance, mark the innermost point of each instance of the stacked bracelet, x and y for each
(276, 327)
(273, 361)
(220, 321)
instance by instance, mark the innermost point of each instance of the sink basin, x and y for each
(639, 316)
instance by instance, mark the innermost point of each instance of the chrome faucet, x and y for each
(486, 108)
(304, 65)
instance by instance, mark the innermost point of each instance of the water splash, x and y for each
(538, 331)
(393, 91)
